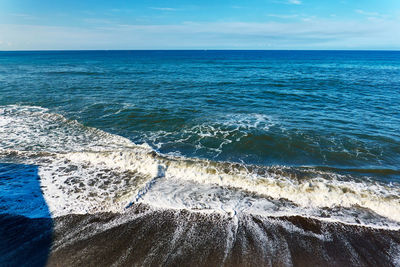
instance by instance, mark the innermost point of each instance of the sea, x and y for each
(200, 158)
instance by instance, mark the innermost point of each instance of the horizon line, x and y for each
(226, 49)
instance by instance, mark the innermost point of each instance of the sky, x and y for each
(207, 24)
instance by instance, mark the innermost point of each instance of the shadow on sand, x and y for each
(26, 227)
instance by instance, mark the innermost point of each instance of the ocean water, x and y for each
(314, 134)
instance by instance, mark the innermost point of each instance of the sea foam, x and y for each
(85, 170)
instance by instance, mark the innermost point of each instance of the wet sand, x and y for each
(146, 237)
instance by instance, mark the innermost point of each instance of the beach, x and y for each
(199, 158)
(177, 237)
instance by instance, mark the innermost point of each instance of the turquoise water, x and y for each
(303, 131)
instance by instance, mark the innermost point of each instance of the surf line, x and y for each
(161, 169)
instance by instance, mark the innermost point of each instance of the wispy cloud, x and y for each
(287, 2)
(317, 33)
(96, 21)
(282, 16)
(164, 8)
(362, 12)
(23, 16)
(302, 17)
(371, 14)
(295, 2)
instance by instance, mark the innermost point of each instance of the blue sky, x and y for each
(174, 24)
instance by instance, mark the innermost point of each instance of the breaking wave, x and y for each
(86, 170)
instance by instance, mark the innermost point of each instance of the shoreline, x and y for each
(147, 236)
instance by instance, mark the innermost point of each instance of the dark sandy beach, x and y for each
(146, 237)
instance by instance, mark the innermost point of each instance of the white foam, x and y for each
(85, 170)
(221, 129)
(28, 128)
(204, 185)
(318, 192)
(80, 188)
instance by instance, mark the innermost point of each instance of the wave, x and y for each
(214, 186)
(261, 139)
(31, 128)
(376, 171)
(72, 72)
(85, 170)
(209, 137)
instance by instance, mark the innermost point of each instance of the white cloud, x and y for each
(98, 21)
(362, 12)
(282, 16)
(164, 8)
(371, 14)
(314, 34)
(23, 16)
(295, 2)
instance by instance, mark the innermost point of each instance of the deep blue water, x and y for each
(336, 109)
